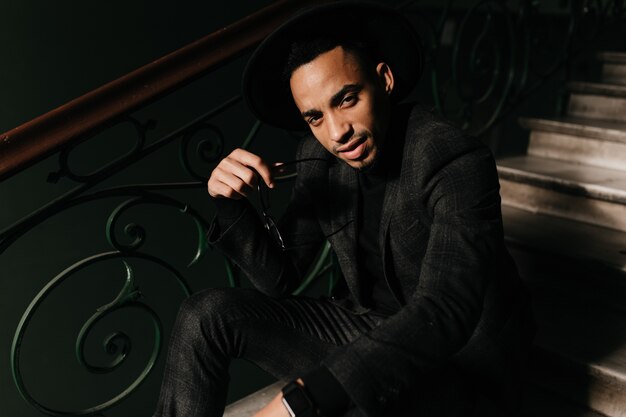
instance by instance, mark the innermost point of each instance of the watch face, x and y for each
(296, 400)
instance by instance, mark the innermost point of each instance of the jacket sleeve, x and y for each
(462, 196)
(248, 245)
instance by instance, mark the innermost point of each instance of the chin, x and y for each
(364, 164)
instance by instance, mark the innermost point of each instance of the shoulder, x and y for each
(429, 131)
(432, 142)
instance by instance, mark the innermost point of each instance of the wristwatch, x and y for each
(297, 401)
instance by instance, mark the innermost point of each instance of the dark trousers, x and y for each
(286, 337)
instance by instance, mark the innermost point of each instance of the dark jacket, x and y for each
(444, 257)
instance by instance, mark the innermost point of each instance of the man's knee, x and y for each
(210, 307)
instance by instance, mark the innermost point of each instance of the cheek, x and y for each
(321, 138)
(366, 116)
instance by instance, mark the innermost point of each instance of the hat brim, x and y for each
(384, 29)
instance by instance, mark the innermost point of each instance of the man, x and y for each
(430, 318)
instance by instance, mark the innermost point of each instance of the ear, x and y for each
(385, 76)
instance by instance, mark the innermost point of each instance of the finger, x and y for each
(243, 172)
(230, 173)
(218, 189)
(255, 162)
(234, 182)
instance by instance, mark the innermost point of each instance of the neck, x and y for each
(390, 155)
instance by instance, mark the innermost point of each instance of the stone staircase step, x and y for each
(617, 57)
(584, 141)
(539, 402)
(250, 404)
(581, 348)
(556, 236)
(576, 274)
(570, 256)
(613, 67)
(575, 126)
(585, 193)
(597, 101)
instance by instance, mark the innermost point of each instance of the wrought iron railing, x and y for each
(482, 62)
(487, 59)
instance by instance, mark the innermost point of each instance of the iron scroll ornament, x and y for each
(127, 298)
(117, 343)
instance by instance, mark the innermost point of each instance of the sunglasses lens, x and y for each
(264, 195)
(271, 227)
(280, 172)
(284, 171)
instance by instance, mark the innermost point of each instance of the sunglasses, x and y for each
(282, 172)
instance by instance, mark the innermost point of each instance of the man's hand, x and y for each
(237, 174)
(275, 408)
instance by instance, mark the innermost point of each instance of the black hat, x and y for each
(386, 32)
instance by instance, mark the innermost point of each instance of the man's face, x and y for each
(346, 107)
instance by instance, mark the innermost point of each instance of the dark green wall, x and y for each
(54, 51)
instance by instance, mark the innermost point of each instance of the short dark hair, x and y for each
(306, 48)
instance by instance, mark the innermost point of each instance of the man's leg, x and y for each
(286, 337)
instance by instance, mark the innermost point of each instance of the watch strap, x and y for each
(297, 401)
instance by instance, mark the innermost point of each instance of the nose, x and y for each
(339, 128)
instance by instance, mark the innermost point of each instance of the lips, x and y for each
(353, 149)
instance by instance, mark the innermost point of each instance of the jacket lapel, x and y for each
(392, 202)
(392, 190)
(344, 201)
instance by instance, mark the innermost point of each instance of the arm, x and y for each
(243, 238)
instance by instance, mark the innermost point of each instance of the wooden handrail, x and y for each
(42, 136)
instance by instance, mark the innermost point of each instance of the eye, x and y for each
(349, 100)
(314, 120)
